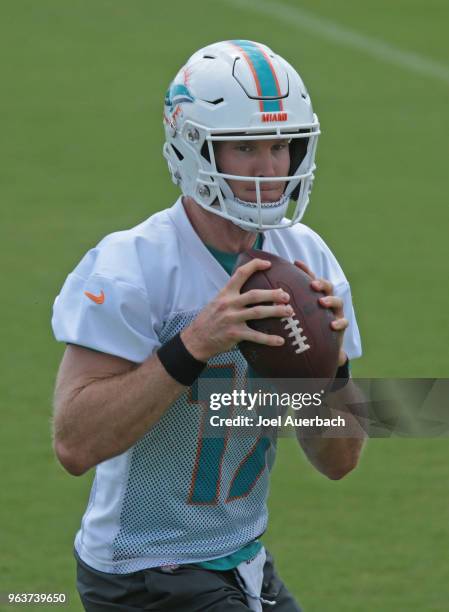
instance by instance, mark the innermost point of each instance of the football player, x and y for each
(174, 518)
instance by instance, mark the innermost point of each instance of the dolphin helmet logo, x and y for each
(177, 93)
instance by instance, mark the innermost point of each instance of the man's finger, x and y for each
(256, 296)
(302, 266)
(334, 303)
(260, 338)
(242, 274)
(340, 324)
(264, 312)
(321, 284)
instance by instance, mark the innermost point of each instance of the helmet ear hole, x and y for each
(177, 152)
(205, 151)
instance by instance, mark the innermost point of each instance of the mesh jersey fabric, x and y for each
(177, 495)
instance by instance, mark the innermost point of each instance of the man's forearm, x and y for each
(107, 416)
(336, 456)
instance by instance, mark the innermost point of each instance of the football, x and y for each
(311, 345)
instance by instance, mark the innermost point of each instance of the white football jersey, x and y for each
(176, 496)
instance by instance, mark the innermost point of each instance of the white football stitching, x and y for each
(300, 341)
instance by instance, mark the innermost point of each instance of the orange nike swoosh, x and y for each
(98, 299)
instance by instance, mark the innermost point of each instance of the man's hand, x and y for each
(332, 302)
(223, 322)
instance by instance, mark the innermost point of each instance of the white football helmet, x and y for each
(239, 90)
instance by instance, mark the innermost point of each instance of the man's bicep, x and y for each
(81, 366)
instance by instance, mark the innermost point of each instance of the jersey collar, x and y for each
(195, 247)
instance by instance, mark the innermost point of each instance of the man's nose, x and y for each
(265, 164)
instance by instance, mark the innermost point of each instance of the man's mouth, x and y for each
(267, 194)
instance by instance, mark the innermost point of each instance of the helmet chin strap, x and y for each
(271, 213)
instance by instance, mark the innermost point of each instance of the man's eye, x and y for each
(280, 146)
(244, 148)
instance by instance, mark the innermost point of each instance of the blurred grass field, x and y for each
(80, 156)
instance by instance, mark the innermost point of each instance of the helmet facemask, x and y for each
(213, 192)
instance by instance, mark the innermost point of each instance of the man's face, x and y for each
(262, 158)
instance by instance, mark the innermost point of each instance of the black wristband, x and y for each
(179, 363)
(341, 377)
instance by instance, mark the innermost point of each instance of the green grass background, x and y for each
(82, 85)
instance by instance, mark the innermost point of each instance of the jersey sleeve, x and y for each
(105, 314)
(352, 344)
(331, 270)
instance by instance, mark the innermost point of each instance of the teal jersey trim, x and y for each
(232, 561)
(263, 73)
(205, 485)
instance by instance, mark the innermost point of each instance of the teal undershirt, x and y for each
(228, 261)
